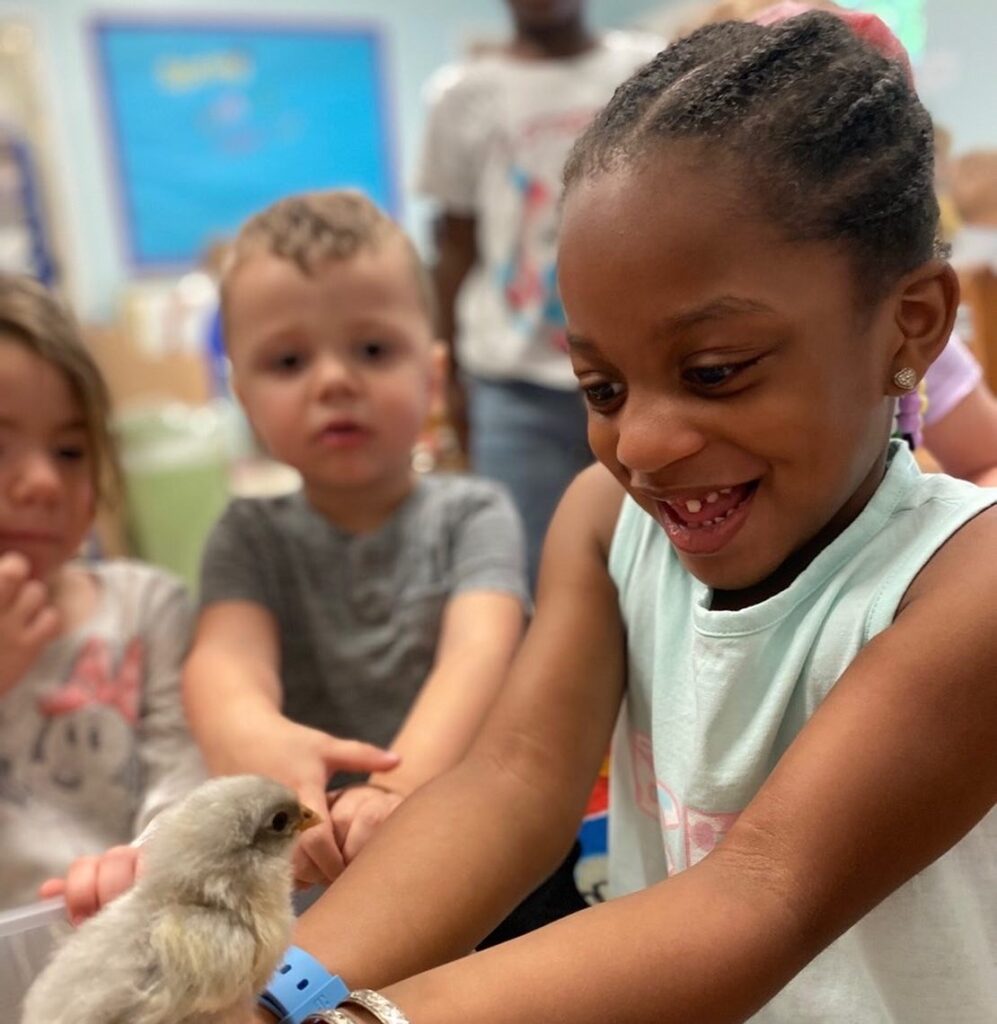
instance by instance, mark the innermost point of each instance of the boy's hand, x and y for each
(28, 620)
(305, 759)
(92, 882)
(356, 813)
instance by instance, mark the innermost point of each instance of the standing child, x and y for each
(92, 735)
(797, 623)
(499, 128)
(373, 604)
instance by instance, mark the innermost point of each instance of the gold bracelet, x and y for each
(379, 1006)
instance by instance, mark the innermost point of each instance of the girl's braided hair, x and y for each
(834, 140)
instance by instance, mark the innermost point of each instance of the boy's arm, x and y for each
(233, 694)
(231, 681)
(481, 627)
(478, 639)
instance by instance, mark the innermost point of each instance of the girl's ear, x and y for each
(924, 312)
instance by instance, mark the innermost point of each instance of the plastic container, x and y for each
(28, 936)
(176, 461)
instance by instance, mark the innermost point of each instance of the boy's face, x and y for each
(336, 370)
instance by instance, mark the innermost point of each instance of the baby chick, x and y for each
(204, 926)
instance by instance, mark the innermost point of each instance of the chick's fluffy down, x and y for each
(202, 930)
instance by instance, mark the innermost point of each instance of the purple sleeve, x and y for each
(950, 378)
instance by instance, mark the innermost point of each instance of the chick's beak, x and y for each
(307, 819)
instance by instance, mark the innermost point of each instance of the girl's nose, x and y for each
(654, 434)
(36, 480)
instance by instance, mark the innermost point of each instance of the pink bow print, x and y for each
(91, 681)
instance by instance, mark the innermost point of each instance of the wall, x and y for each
(956, 79)
(418, 42)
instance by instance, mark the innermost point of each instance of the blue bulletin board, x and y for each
(209, 120)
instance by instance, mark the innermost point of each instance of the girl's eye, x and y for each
(715, 376)
(602, 395)
(70, 453)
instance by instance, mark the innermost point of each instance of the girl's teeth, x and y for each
(692, 505)
(726, 490)
(712, 497)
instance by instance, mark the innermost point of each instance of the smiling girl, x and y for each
(789, 626)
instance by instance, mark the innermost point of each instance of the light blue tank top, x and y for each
(713, 700)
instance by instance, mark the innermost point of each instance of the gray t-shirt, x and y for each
(359, 615)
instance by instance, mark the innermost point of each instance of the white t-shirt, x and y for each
(93, 741)
(499, 131)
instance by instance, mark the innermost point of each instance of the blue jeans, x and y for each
(533, 440)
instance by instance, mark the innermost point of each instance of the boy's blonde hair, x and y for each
(32, 317)
(312, 227)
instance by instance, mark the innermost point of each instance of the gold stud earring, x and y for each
(906, 379)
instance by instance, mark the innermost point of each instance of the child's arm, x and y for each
(92, 882)
(964, 441)
(456, 255)
(479, 636)
(233, 694)
(893, 769)
(456, 130)
(481, 626)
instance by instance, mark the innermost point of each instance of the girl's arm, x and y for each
(451, 861)
(892, 770)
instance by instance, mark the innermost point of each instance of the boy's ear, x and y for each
(924, 312)
(439, 371)
(235, 384)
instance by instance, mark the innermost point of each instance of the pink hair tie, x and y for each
(867, 27)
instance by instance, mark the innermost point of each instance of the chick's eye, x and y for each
(279, 821)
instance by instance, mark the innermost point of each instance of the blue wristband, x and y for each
(300, 986)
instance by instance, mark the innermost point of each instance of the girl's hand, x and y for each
(28, 620)
(356, 813)
(92, 882)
